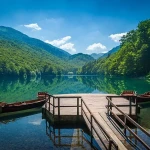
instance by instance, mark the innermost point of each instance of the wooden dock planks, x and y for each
(96, 104)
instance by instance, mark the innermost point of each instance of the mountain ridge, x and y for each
(20, 37)
(21, 55)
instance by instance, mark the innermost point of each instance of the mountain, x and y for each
(24, 56)
(11, 34)
(113, 50)
(132, 58)
(80, 59)
(102, 55)
(96, 56)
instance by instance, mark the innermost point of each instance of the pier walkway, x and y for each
(97, 111)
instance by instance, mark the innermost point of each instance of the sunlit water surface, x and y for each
(30, 132)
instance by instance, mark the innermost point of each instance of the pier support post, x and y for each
(53, 106)
(77, 106)
(58, 107)
(110, 143)
(91, 128)
(81, 107)
(130, 103)
(125, 122)
(49, 102)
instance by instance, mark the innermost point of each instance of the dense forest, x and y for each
(23, 56)
(132, 59)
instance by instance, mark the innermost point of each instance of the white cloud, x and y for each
(69, 47)
(36, 123)
(117, 37)
(34, 26)
(97, 47)
(59, 42)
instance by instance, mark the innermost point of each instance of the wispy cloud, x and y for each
(69, 47)
(117, 37)
(34, 26)
(59, 42)
(37, 122)
(62, 43)
(97, 47)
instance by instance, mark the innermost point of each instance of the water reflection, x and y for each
(28, 132)
(70, 138)
(13, 90)
(19, 90)
(144, 116)
(115, 84)
(13, 116)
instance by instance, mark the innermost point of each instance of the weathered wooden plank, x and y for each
(96, 103)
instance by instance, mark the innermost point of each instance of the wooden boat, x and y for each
(128, 93)
(144, 97)
(42, 95)
(18, 106)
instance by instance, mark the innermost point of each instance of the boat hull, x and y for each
(22, 105)
(142, 99)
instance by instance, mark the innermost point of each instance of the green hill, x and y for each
(112, 51)
(80, 59)
(22, 56)
(96, 56)
(11, 34)
(132, 59)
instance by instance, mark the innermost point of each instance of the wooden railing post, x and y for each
(46, 105)
(58, 107)
(110, 106)
(53, 106)
(78, 106)
(130, 109)
(125, 122)
(110, 144)
(81, 107)
(136, 109)
(49, 102)
(91, 128)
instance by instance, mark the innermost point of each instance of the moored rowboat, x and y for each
(18, 106)
(143, 97)
(11, 107)
(128, 93)
(139, 98)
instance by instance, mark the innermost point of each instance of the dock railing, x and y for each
(126, 117)
(59, 138)
(91, 119)
(54, 103)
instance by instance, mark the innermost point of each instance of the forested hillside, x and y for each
(21, 60)
(23, 56)
(11, 34)
(132, 59)
(96, 56)
(113, 50)
(80, 59)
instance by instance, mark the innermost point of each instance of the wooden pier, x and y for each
(97, 111)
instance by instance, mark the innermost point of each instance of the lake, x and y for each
(33, 132)
(12, 90)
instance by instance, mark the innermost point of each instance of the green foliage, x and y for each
(23, 56)
(132, 59)
(16, 60)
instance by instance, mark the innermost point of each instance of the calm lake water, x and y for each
(33, 132)
(30, 128)
(12, 90)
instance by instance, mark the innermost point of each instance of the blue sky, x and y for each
(86, 26)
